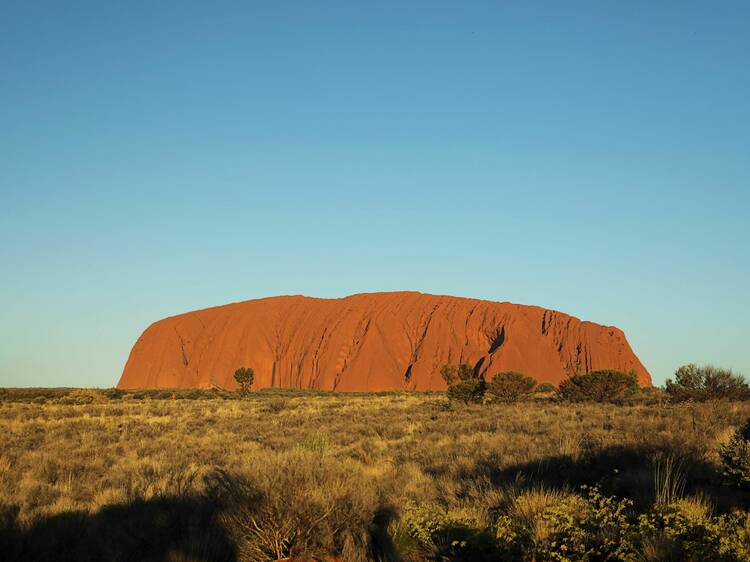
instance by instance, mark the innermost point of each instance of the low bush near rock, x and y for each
(511, 386)
(464, 385)
(699, 384)
(598, 386)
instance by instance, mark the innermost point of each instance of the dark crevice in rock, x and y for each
(185, 359)
(478, 367)
(498, 341)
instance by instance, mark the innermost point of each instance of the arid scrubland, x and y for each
(111, 475)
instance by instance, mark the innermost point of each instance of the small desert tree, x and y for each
(706, 383)
(244, 377)
(598, 386)
(511, 386)
(463, 384)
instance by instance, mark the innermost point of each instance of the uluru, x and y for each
(370, 342)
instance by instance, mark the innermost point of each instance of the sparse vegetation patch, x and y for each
(202, 475)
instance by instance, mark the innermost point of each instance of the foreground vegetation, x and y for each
(207, 475)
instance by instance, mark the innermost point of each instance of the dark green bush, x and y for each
(598, 386)
(699, 384)
(735, 456)
(545, 387)
(244, 377)
(511, 386)
(463, 384)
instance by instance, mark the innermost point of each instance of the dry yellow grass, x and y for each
(351, 461)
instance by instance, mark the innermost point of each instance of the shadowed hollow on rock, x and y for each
(370, 342)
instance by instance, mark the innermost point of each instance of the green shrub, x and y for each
(543, 525)
(463, 384)
(244, 377)
(511, 386)
(685, 530)
(699, 384)
(598, 386)
(594, 527)
(545, 387)
(471, 391)
(441, 535)
(735, 456)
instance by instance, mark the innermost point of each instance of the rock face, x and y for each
(366, 342)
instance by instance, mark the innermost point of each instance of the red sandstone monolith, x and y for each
(369, 342)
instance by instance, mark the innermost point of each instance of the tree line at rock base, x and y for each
(691, 383)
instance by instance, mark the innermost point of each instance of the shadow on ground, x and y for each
(625, 472)
(187, 528)
(168, 529)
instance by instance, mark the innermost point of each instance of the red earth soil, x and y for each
(369, 342)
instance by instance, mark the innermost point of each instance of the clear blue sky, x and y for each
(592, 157)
